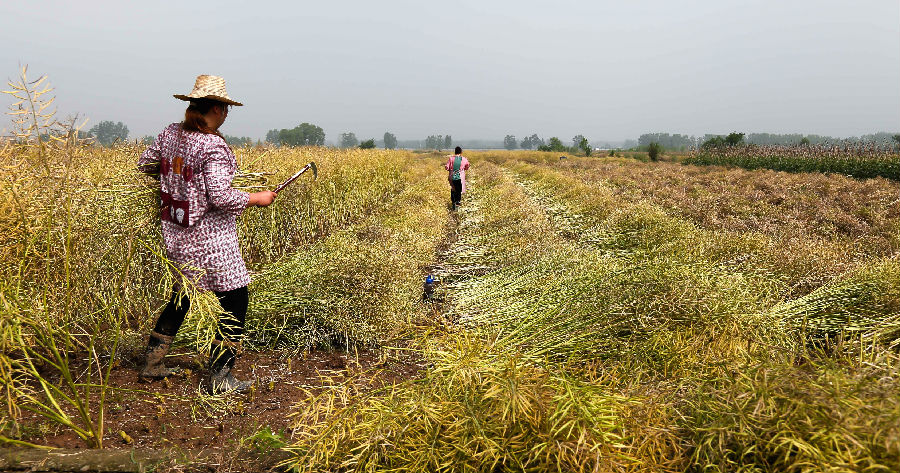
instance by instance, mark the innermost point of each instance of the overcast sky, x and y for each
(609, 70)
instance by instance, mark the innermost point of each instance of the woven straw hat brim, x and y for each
(209, 87)
(212, 97)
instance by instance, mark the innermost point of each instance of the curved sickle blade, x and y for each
(315, 170)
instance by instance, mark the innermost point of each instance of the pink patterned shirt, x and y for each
(464, 166)
(198, 206)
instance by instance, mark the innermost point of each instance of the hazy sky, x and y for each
(610, 70)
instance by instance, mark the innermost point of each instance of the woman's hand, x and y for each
(262, 199)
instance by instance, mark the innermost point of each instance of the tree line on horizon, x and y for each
(107, 133)
(307, 134)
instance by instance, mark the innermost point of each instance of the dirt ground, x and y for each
(173, 414)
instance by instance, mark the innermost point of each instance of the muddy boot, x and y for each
(221, 360)
(154, 360)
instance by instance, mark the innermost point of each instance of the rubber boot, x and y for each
(154, 359)
(221, 360)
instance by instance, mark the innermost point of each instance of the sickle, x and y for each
(291, 179)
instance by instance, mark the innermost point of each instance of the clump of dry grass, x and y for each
(797, 265)
(806, 228)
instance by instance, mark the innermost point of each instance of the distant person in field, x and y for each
(457, 164)
(198, 213)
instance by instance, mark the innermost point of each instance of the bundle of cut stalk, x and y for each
(865, 303)
(476, 410)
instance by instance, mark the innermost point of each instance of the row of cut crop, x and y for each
(483, 406)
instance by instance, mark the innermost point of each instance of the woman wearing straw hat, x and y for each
(199, 210)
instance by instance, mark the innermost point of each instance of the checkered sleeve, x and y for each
(150, 158)
(219, 167)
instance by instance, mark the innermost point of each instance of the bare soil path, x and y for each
(174, 415)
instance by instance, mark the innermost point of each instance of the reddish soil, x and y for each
(171, 414)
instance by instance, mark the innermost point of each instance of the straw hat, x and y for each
(209, 87)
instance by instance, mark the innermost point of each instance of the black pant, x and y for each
(455, 191)
(231, 322)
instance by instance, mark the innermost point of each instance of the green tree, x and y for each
(585, 146)
(448, 142)
(653, 150)
(304, 134)
(804, 141)
(238, 140)
(368, 144)
(509, 142)
(532, 142)
(576, 141)
(106, 132)
(390, 141)
(556, 144)
(315, 136)
(272, 137)
(434, 142)
(713, 142)
(348, 140)
(734, 138)
(667, 141)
